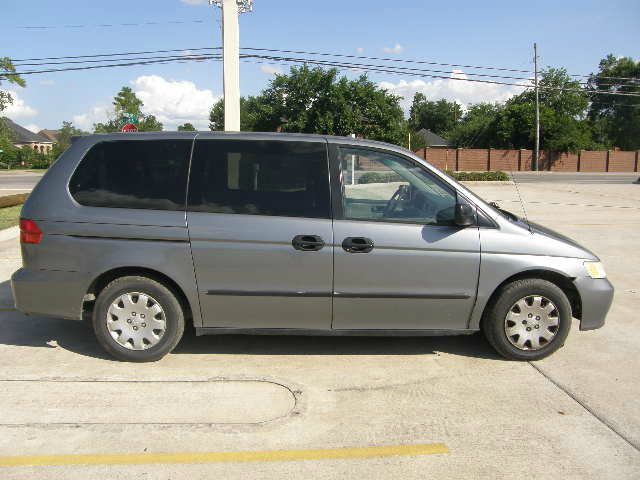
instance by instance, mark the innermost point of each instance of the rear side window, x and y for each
(146, 174)
(289, 179)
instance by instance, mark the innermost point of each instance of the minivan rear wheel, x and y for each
(137, 319)
(529, 319)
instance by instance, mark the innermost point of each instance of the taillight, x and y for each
(29, 232)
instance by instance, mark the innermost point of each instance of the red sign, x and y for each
(129, 127)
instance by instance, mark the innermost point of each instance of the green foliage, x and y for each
(313, 100)
(127, 103)
(616, 119)
(7, 71)
(66, 132)
(377, 177)
(478, 176)
(478, 127)
(439, 116)
(564, 126)
(187, 127)
(563, 104)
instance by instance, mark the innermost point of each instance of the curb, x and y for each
(9, 233)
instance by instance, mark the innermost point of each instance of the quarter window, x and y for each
(146, 174)
(279, 178)
(380, 186)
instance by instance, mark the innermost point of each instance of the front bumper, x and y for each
(48, 292)
(596, 296)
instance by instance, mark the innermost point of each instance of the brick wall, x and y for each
(622, 161)
(481, 159)
(504, 160)
(593, 161)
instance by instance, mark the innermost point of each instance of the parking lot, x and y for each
(440, 407)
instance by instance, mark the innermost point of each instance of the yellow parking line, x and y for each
(218, 457)
(7, 309)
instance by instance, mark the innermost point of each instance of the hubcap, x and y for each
(136, 321)
(532, 322)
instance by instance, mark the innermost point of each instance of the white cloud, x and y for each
(47, 82)
(19, 109)
(397, 48)
(270, 70)
(174, 102)
(194, 2)
(359, 50)
(98, 113)
(32, 127)
(450, 89)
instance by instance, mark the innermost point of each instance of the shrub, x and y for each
(377, 177)
(478, 176)
(13, 200)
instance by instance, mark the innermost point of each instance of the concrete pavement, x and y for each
(575, 415)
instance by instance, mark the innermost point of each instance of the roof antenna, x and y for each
(524, 210)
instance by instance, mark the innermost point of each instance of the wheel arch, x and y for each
(564, 282)
(102, 280)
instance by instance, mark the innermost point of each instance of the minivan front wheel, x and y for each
(529, 320)
(137, 319)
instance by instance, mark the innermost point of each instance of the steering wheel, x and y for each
(402, 194)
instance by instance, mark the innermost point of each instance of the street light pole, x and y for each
(536, 155)
(231, 56)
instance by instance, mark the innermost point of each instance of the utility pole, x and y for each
(536, 155)
(231, 9)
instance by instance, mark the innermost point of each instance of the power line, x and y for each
(326, 54)
(107, 25)
(118, 54)
(296, 60)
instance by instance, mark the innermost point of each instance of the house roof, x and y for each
(431, 139)
(50, 134)
(19, 134)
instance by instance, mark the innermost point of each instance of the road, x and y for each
(576, 178)
(290, 407)
(18, 182)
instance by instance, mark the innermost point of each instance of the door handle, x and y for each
(357, 244)
(307, 243)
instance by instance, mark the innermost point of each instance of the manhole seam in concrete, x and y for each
(294, 392)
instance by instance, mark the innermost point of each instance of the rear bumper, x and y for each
(596, 296)
(48, 292)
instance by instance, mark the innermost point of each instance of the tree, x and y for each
(616, 118)
(187, 127)
(313, 100)
(439, 116)
(127, 103)
(66, 132)
(563, 123)
(478, 127)
(7, 70)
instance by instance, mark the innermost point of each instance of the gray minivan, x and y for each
(289, 234)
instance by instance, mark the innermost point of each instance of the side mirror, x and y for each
(465, 215)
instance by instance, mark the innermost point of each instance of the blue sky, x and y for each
(572, 34)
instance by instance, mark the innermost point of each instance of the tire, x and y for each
(504, 315)
(143, 304)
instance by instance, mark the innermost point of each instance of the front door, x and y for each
(400, 261)
(261, 234)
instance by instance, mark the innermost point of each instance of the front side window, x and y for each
(381, 186)
(147, 174)
(278, 178)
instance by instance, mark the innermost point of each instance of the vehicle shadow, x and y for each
(17, 329)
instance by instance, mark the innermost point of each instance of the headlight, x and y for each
(595, 269)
